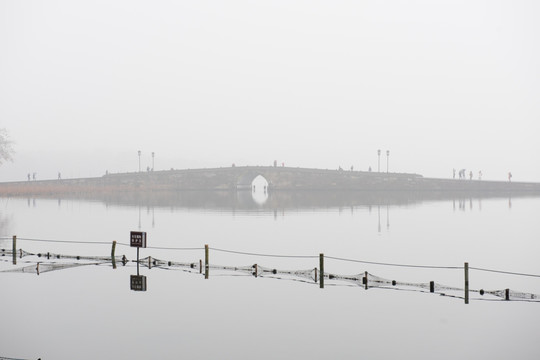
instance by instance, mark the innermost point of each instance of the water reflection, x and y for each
(259, 198)
(5, 224)
(138, 282)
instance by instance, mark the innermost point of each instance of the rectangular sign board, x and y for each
(138, 282)
(138, 239)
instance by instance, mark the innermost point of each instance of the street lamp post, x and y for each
(379, 160)
(139, 160)
(387, 159)
(152, 161)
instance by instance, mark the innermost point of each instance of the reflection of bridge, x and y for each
(238, 178)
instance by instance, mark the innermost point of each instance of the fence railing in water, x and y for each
(47, 261)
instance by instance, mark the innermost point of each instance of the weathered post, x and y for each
(366, 280)
(14, 249)
(466, 267)
(113, 249)
(321, 271)
(206, 263)
(256, 270)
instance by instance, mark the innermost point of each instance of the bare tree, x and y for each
(6, 149)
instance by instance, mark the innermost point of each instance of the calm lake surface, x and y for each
(90, 312)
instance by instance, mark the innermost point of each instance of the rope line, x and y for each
(367, 280)
(504, 272)
(275, 256)
(67, 241)
(266, 255)
(173, 248)
(163, 247)
(398, 265)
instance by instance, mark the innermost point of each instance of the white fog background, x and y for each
(452, 84)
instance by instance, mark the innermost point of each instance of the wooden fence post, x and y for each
(466, 268)
(206, 262)
(14, 249)
(365, 280)
(321, 271)
(113, 249)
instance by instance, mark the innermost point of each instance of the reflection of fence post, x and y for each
(466, 267)
(206, 264)
(14, 249)
(321, 271)
(112, 254)
(315, 274)
(432, 286)
(507, 294)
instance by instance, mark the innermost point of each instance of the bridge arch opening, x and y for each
(259, 187)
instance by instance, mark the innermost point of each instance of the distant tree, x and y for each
(6, 149)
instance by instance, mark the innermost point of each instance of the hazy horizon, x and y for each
(440, 84)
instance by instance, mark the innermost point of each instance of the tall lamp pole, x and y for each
(387, 159)
(139, 160)
(152, 161)
(379, 161)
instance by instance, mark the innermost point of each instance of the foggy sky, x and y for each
(84, 85)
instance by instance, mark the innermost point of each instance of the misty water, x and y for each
(90, 312)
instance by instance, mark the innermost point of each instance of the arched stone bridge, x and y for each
(293, 178)
(278, 178)
(241, 178)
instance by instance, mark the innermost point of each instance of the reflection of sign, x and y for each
(138, 239)
(138, 282)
